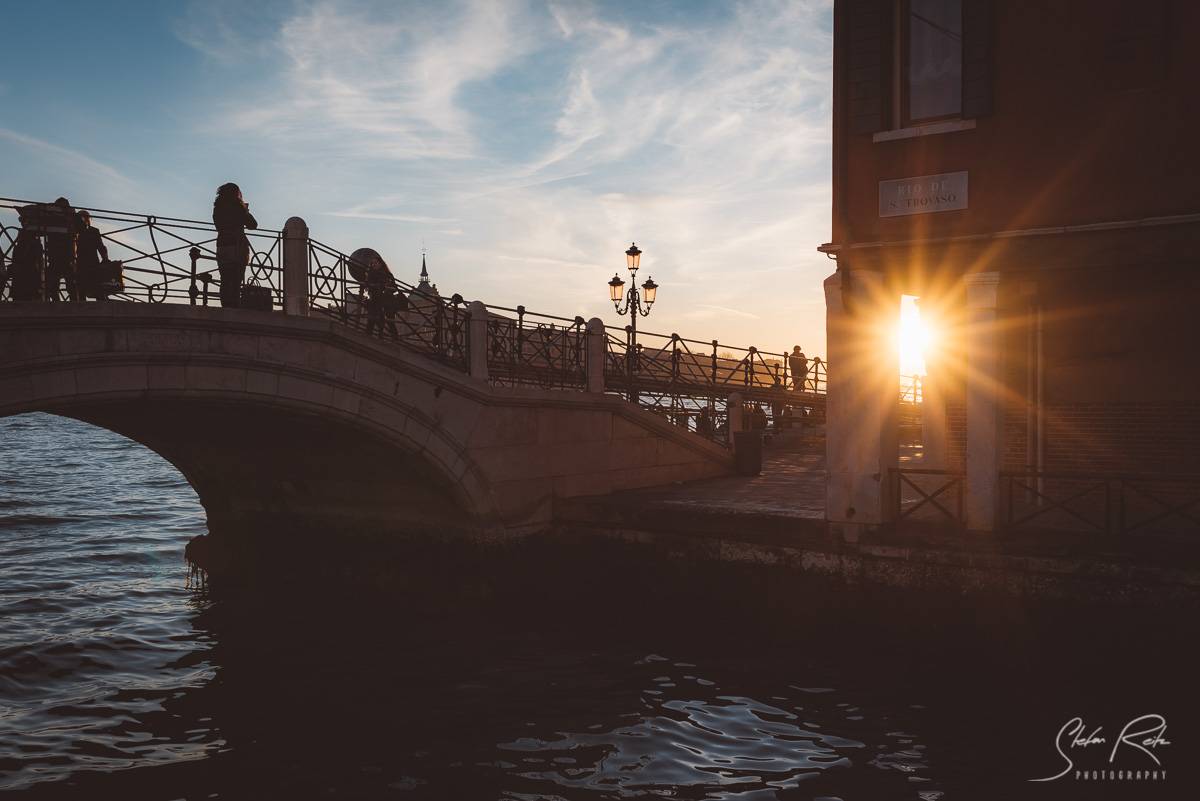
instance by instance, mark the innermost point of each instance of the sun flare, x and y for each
(914, 337)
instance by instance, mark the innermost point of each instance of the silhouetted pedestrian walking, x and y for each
(231, 216)
(798, 364)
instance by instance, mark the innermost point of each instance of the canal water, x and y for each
(119, 680)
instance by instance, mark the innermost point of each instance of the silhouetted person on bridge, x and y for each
(704, 422)
(380, 293)
(798, 364)
(61, 241)
(231, 216)
(25, 272)
(90, 254)
(384, 300)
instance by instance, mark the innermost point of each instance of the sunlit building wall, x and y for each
(1030, 172)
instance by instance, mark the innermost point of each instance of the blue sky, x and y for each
(524, 143)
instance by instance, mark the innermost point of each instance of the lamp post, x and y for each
(637, 304)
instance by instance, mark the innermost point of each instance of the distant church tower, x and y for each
(423, 285)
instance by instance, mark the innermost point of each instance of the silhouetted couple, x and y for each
(231, 216)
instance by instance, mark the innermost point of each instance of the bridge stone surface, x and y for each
(291, 422)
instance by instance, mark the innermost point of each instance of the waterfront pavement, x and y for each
(791, 485)
(778, 516)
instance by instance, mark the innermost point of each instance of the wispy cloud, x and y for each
(404, 218)
(64, 158)
(382, 81)
(227, 31)
(707, 311)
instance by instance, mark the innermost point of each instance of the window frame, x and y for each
(903, 118)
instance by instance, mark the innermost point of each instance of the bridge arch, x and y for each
(265, 437)
(284, 423)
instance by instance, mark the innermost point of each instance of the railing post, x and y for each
(596, 355)
(735, 417)
(193, 291)
(674, 358)
(477, 351)
(519, 349)
(295, 267)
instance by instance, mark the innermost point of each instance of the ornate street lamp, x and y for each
(637, 304)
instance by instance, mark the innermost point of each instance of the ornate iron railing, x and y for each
(690, 381)
(160, 256)
(419, 319)
(525, 348)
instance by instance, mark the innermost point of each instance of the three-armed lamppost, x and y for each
(634, 307)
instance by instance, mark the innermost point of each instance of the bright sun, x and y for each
(913, 338)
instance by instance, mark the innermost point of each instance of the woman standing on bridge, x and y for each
(231, 216)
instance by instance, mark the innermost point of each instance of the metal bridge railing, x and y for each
(417, 319)
(690, 381)
(161, 256)
(525, 348)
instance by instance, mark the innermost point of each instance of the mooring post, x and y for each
(596, 355)
(735, 415)
(295, 267)
(477, 341)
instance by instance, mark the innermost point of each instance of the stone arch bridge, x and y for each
(286, 421)
(316, 412)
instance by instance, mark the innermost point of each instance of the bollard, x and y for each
(295, 267)
(477, 341)
(597, 350)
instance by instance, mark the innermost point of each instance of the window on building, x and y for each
(914, 61)
(931, 37)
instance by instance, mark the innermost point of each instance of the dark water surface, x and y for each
(117, 680)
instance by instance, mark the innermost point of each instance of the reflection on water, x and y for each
(118, 681)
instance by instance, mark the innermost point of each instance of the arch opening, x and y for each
(279, 485)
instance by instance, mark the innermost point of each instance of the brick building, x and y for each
(1030, 171)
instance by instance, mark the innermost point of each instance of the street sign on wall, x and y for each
(923, 194)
